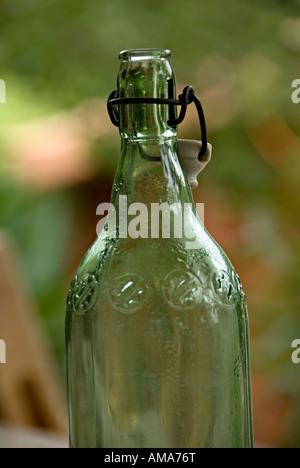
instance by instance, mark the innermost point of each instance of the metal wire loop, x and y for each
(187, 97)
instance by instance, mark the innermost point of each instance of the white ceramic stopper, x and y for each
(188, 151)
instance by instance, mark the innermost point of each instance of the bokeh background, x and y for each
(59, 152)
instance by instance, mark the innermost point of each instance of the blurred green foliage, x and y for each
(55, 54)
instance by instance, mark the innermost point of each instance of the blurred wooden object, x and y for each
(30, 392)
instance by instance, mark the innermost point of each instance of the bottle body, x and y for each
(156, 326)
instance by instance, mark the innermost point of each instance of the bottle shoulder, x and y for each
(183, 276)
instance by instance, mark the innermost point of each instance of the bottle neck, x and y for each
(149, 172)
(145, 73)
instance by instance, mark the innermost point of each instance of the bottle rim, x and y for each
(144, 54)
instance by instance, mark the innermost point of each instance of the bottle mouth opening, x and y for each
(144, 54)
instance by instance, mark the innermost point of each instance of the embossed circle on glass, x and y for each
(84, 294)
(182, 290)
(129, 293)
(224, 289)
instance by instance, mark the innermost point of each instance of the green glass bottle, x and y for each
(156, 325)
